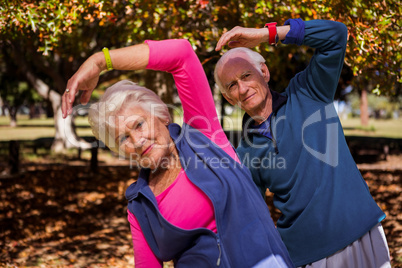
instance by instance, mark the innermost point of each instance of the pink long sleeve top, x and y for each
(182, 203)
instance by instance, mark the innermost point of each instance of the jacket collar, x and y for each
(278, 100)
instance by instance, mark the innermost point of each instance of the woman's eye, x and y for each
(123, 139)
(140, 124)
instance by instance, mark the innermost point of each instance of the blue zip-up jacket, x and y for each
(325, 203)
(245, 234)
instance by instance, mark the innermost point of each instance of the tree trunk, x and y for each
(364, 114)
(14, 156)
(32, 111)
(2, 107)
(65, 135)
(13, 116)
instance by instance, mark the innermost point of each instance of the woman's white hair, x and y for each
(118, 96)
(255, 59)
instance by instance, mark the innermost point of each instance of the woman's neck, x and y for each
(165, 174)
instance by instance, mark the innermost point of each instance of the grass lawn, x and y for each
(31, 129)
(377, 128)
(391, 128)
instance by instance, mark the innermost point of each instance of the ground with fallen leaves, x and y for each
(59, 215)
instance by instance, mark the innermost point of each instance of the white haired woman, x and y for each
(193, 202)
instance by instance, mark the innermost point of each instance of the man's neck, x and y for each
(263, 112)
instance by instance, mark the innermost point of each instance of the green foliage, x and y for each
(374, 50)
(64, 33)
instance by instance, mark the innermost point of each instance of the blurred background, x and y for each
(62, 198)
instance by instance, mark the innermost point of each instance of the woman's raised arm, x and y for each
(86, 78)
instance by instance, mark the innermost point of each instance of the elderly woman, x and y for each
(193, 202)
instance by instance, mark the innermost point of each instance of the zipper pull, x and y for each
(218, 262)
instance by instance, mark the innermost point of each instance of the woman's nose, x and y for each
(138, 139)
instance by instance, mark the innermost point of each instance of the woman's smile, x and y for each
(147, 149)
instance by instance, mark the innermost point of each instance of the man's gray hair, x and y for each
(117, 97)
(255, 59)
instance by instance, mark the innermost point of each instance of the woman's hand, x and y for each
(85, 79)
(243, 37)
(132, 58)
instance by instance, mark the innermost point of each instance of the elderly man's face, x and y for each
(245, 85)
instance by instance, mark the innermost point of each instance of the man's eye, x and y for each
(245, 76)
(231, 86)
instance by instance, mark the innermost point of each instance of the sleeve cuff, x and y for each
(149, 43)
(296, 33)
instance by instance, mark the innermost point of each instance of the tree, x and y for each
(373, 51)
(14, 95)
(48, 40)
(15, 91)
(38, 38)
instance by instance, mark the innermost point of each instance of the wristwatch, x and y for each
(273, 35)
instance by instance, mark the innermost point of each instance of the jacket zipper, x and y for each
(218, 262)
(273, 137)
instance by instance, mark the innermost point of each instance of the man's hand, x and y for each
(243, 37)
(86, 79)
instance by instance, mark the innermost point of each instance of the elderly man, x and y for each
(293, 144)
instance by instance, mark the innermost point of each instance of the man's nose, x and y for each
(242, 87)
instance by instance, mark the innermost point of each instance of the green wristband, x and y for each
(107, 58)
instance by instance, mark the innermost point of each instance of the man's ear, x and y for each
(228, 99)
(265, 72)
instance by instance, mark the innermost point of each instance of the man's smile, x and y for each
(248, 97)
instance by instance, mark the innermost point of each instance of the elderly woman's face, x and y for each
(144, 138)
